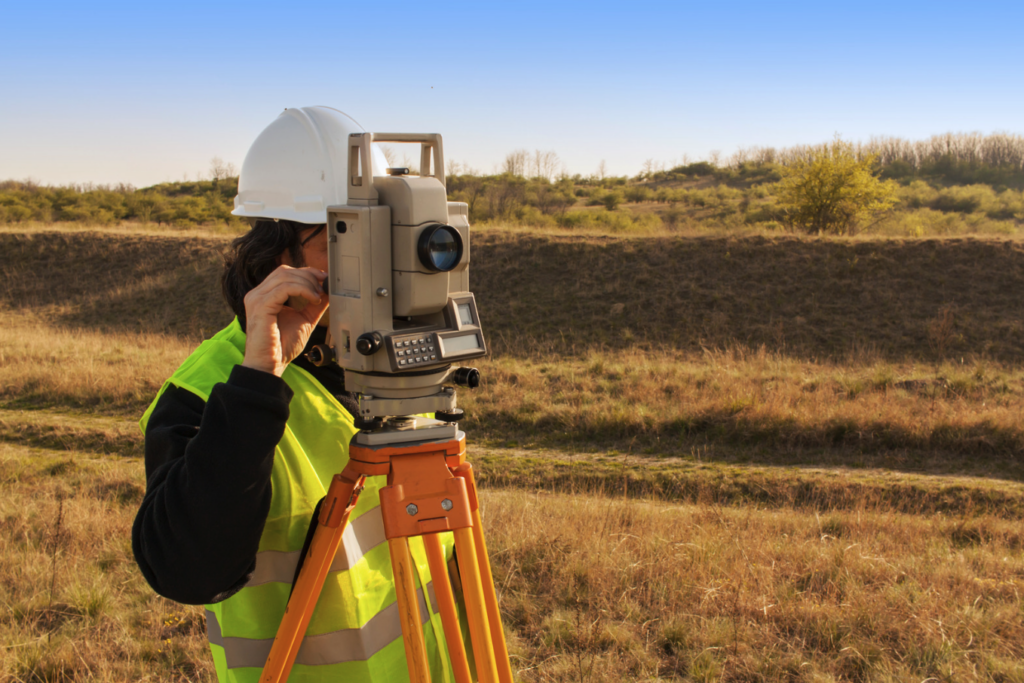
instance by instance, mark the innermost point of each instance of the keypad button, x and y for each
(401, 362)
(430, 348)
(433, 358)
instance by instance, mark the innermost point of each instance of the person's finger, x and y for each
(315, 310)
(276, 297)
(288, 274)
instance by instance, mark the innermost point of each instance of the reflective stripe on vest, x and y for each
(360, 537)
(351, 634)
(345, 645)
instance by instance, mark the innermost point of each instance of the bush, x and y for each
(673, 217)
(667, 195)
(764, 212)
(700, 168)
(611, 200)
(610, 220)
(183, 204)
(918, 194)
(639, 193)
(832, 190)
(699, 198)
(963, 199)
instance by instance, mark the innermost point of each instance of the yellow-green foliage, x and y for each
(177, 204)
(969, 184)
(833, 190)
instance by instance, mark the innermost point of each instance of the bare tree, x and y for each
(602, 170)
(407, 163)
(998, 149)
(544, 164)
(515, 162)
(221, 170)
(389, 154)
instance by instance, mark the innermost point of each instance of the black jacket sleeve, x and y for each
(208, 487)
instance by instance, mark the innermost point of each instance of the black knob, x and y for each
(453, 415)
(467, 377)
(369, 343)
(367, 424)
(320, 355)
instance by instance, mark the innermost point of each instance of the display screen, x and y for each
(466, 314)
(468, 342)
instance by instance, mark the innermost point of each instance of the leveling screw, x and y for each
(411, 508)
(447, 505)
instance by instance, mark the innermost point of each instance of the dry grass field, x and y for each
(741, 459)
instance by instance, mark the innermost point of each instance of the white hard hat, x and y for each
(298, 165)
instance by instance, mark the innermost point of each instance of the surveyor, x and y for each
(243, 439)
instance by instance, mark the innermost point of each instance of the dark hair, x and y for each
(253, 257)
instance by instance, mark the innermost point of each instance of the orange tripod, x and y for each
(430, 490)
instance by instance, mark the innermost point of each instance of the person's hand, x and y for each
(275, 332)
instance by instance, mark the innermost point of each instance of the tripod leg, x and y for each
(334, 513)
(446, 602)
(490, 597)
(409, 610)
(491, 601)
(479, 631)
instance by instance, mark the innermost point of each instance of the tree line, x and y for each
(758, 186)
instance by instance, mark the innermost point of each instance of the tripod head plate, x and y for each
(424, 430)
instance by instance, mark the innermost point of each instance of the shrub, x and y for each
(832, 190)
(700, 168)
(963, 199)
(639, 193)
(666, 195)
(918, 194)
(614, 221)
(611, 200)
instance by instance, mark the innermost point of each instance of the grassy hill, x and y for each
(888, 353)
(924, 300)
(781, 459)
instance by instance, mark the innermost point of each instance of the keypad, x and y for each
(416, 351)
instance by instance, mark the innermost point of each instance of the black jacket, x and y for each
(208, 489)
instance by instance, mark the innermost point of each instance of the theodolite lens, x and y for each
(440, 248)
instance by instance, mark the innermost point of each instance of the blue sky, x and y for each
(143, 93)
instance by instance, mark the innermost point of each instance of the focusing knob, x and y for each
(369, 343)
(367, 424)
(320, 355)
(467, 377)
(453, 415)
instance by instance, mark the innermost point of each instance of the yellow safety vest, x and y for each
(355, 634)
